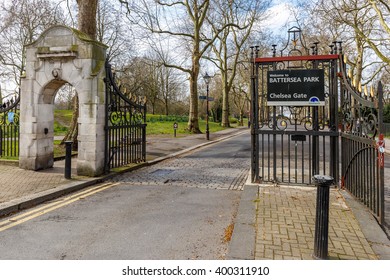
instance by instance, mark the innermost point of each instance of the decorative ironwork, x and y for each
(362, 123)
(125, 126)
(291, 144)
(294, 37)
(359, 109)
(9, 128)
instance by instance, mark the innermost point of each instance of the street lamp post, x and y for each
(207, 78)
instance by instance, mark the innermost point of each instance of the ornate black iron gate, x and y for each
(125, 126)
(291, 143)
(9, 128)
(362, 146)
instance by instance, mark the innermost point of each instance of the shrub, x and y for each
(233, 120)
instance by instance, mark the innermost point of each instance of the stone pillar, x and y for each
(36, 119)
(91, 130)
(60, 55)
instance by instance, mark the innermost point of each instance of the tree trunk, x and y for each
(225, 101)
(166, 94)
(87, 17)
(241, 117)
(166, 107)
(72, 133)
(193, 120)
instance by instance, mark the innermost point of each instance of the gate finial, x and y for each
(295, 36)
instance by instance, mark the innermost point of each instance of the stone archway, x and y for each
(60, 55)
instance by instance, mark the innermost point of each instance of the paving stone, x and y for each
(346, 241)
(190, 172)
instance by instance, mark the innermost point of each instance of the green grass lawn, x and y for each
(165, 128)
(62, 119)
(9, 149)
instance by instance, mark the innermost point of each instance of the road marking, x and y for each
(59, 201)
(19, 219)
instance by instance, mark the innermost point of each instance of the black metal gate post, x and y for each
(333, 114)
(381, 157)
(143, 131)
(316, 142)
(315, 162)
(68, 159)
(254, 118)
(322, 216)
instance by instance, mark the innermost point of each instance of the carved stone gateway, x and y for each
(63, 55)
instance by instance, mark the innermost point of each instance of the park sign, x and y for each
(204, 97)
(296, 88)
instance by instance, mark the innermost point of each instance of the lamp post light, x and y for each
(207, 78)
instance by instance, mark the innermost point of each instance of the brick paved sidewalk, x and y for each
(278, 223)
(16, 182)
(285, 224)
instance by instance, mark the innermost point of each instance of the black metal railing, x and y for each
(9, 128)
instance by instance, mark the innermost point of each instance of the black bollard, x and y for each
(68, 159)
(175, 126)
(323, 183)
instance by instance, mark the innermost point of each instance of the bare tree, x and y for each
(21, 22)
(241, 94)
(147, 76)
(380, 46)
(358, 25)
(112, 31)
(170, 87)
(152, 82)
(385, 78)
(183, 21)
(228, 47)
(131, 77)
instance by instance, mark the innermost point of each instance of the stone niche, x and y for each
(63, 55)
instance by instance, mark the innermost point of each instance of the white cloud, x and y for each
(279, 15)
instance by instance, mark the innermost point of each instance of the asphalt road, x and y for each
(178, 209)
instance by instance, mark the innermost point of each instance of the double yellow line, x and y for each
(19, 219)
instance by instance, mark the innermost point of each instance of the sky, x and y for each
(279, 17)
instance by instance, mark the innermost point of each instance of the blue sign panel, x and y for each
(11, 117)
